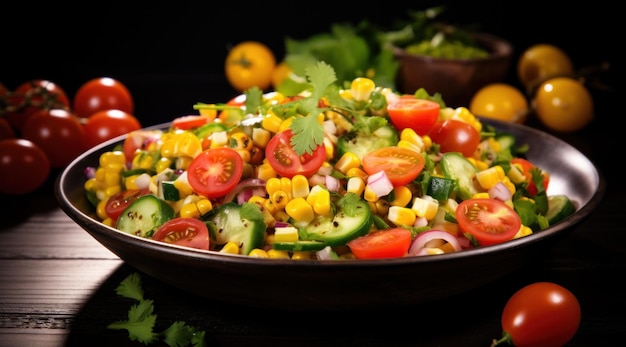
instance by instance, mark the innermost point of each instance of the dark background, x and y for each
(171, 54)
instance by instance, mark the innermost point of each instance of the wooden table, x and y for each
(57, 284)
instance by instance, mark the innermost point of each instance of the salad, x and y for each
(335, 172)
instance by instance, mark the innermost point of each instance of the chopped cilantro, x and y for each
(141, 320)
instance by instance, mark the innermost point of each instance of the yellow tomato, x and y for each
(281, 72)
(500, 101)
(249, 64)
(542, 61)
(563, 104)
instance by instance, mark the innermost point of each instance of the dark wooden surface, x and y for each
(57, 283)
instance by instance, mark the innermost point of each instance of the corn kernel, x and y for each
(425, 207)
(401, 215)
(277, 254)
(348, 161)
(402, 196)
(230, 248)
(355, 185)
(299, 186)
(285, 234)
(300, 211)
(301, 255)
(261, 137)
(204, 206)
(279, 199)
(523, 231)
(265, 171)
(258, 253)
(189, 210)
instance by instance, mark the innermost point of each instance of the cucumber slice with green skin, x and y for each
(352, 219)
(559, 208)
(144, 216)
(440, 188)
(361, 143)
(455, 166)
(227, 225)
(299, 246)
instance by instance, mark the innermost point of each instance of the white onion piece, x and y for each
(500, 192)
(420, 222)
(380, 183)
(425, 237)
(324, 254)
(143, 181)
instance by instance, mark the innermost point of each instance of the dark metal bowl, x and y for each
(346, 284)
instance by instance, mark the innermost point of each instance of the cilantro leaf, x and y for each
(307, 131)
(140, 322)
(130, 287)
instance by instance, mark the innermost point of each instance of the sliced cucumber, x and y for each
(352, 219)
(455, 166)
(144, 216)
(440, 188)
(506, 141)
(226, 224)
(559, 208)
(299, 246)
(361, 143)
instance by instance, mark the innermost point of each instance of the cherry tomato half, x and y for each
(286, 162)
(187, 232)
(58, 133)
(214, 172)
(490, 221)
(105, 125)
(24, 167)
(527, 166)
(455, 136)
(541, 314)
(401, 165)
(389, 243)
(417, 114)
(101, 94)
(118, 202)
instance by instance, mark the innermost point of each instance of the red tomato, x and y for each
(32, 96)
(417, 114)
(214, 172)
(455, 136)
(101, 94)
(490, 221)
(118, 202)
(6, 129)
(24, 167)
(389, 243)
(286, 162)
(105, 125)
(527, 166)
(139, 139)
(542, 314)
(187, 232)
(189, 122)
(58, 133)
(401, 165)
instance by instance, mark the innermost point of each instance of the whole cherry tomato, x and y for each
(249, 64)
(542, 314)
(455, 136)
(24, 167)
(101, 94)
(32, 96)
(58, 133)
(105, 125)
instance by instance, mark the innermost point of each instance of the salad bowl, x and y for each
(342, 284)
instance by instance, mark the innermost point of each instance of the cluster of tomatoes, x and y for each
(42, 129)
(560, 101)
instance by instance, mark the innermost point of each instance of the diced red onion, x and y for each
(500, 192)
(247, 183)
(380, 183)
(425, 237)
(332, 183)
(90, 172)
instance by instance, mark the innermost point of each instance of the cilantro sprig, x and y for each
(308, 133)
(141, 320)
